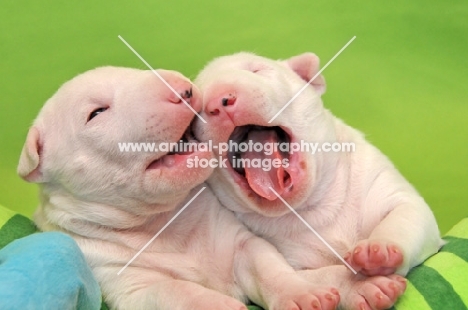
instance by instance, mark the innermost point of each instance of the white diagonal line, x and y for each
(311, 80)
(160, 77)
(161, 230)
(313, 230)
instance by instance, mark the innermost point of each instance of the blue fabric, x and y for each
(46, 271)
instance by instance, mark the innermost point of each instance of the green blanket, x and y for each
(441, 282)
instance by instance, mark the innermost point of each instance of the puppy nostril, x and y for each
(214, 112)
(187, 94)
(175, 99)
(184, 98)
(228, 101)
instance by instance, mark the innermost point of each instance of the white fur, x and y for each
(345, 197)
(112, 203)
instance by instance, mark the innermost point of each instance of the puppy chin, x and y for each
(237, 196)
(277, 207)
(179, 177)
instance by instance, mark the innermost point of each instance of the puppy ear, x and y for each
(30, 159)
(307, 66)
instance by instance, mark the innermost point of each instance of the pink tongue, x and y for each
(260, 180)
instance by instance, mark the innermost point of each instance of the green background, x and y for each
(403, 81)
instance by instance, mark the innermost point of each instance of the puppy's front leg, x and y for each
(402, 240)
(141, 289)
(271, 283)
(402, 230)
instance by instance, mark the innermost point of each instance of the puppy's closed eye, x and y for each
(254, 69)
(257, 68)
(95, 113)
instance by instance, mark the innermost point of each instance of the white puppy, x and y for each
(357, 201)
(114, 202)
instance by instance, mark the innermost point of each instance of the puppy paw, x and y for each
(312, 299)
(374, 293)
(373, 257)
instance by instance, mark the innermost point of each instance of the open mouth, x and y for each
(184, 147)
(263, 169)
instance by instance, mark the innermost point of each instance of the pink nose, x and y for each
(186, 94)
(214, 106)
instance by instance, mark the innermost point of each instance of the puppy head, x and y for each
(242, 93)
(74, 148)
